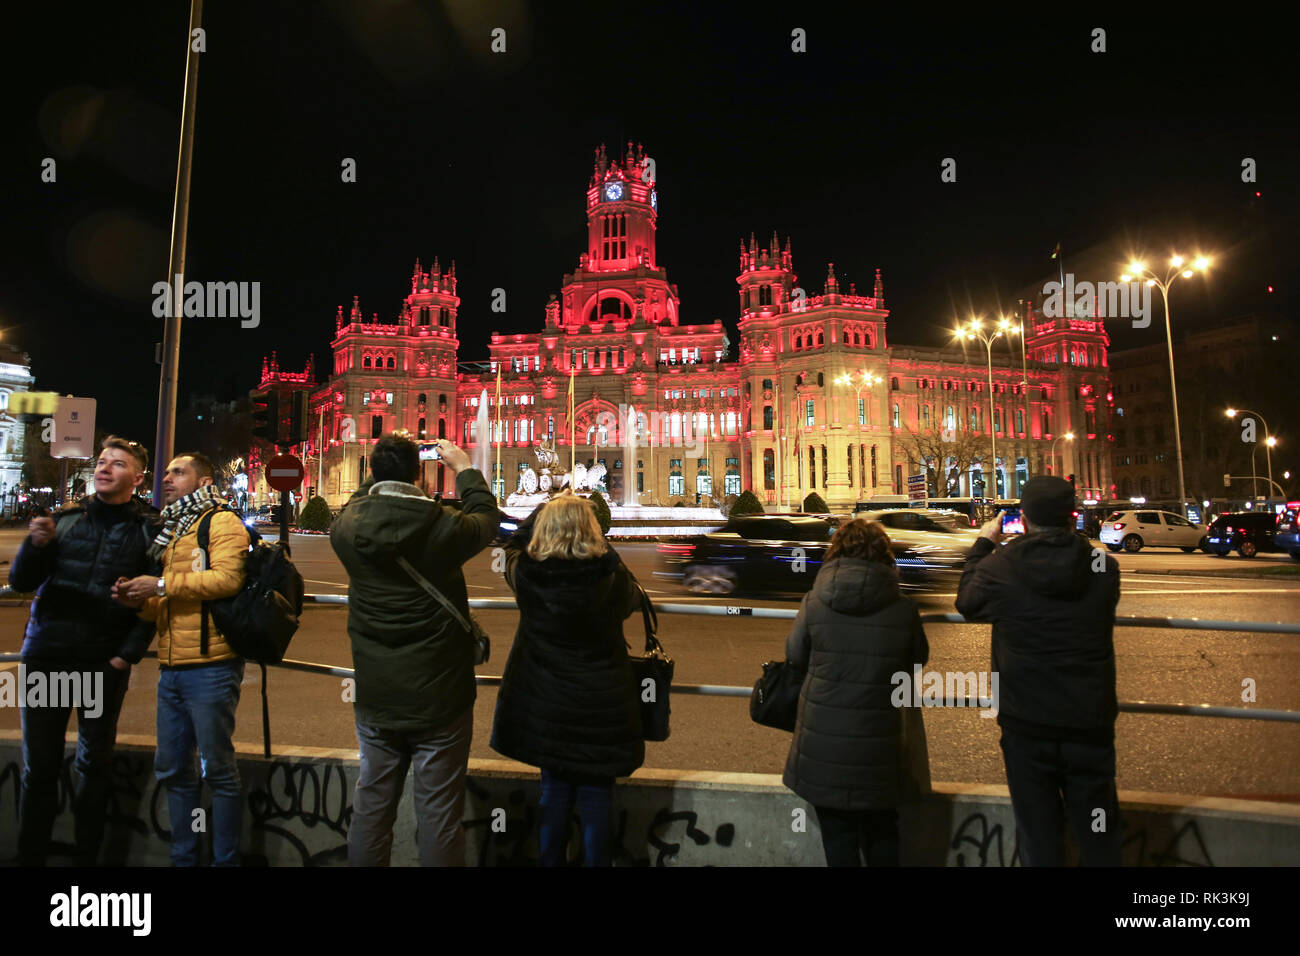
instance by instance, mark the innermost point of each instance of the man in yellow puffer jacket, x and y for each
(199, 684)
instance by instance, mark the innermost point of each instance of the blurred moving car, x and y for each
(1135, 530)
(1088, 518)
(1287, 533)
(1246, 532)
(783, 553)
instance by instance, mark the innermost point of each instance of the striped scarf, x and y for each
(181, 513)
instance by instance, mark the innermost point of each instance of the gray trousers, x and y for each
(440, 759)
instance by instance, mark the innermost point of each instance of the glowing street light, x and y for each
(1138, 269)
(1269, 441)
(1068, 436)
(974, 330)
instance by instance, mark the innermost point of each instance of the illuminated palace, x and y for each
(816, 399)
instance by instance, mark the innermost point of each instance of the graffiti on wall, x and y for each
(978, 842)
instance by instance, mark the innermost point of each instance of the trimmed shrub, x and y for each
(602, 511)
(747, 504)
(815, 503)
(315, 515)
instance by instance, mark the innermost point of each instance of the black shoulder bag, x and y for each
(652, 676)
(482, 643)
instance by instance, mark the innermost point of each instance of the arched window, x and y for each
(421, 428)
(767, 384)
(765, 295)
(925, 417)
(767, 417)
(893, 384)
(949, 419)
(444, 316)
(798, 342)
(422, 398)
(392, 362)
(897, 422)
(1020, 420)
(820, 340)
(424, 315)
(365, 362)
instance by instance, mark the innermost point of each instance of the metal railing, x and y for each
(732, 610)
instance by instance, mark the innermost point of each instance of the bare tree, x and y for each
(951, 451)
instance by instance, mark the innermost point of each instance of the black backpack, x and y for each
(260, 620)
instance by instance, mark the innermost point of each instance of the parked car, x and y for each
(1287, 533)
(782, 554)
(1135, 530)
(1246, 532)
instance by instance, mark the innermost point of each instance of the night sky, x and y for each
(485, 158)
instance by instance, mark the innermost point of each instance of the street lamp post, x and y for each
(974, 330)
(1068, 436)
(1269, 442)
(1138, 268)
(867, 380)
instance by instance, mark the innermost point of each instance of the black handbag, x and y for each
(775, 700)
(652, 677)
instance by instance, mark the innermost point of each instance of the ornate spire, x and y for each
(338, 320)
(356, 308)
(879, 291)
(831, 284)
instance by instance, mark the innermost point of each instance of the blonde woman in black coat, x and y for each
(853, 752)
(567, 703)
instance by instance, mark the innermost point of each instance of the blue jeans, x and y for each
(196, 711)
(595, 799)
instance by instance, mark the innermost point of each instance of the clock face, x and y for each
(613, 191)
(654, 200)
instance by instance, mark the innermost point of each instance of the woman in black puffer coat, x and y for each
(855, 755)
(567, 702)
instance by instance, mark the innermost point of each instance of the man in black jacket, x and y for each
(414, 661)
(1052, 597)
(80, 645)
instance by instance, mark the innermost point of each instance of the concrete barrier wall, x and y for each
(299, 804)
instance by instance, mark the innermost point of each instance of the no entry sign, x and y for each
(284, 472)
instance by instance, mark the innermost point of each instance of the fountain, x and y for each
(629, 460)
(483, 442)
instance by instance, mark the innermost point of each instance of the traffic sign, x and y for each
(74, 429)
(285, 472)
(916, 487)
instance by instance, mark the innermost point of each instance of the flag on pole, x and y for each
(1056, 253)
(497, 470)
(572, 428)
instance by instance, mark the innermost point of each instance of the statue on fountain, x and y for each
(534, 488)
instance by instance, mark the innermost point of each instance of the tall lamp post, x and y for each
(1177, 267)
(975, 330)
(1068, 436)
(1269, 440)
(867, 380)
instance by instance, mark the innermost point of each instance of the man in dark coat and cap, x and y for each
(1051, 597)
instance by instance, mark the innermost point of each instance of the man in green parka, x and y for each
(414, 660)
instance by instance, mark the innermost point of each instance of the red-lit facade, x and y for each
(771, 419)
